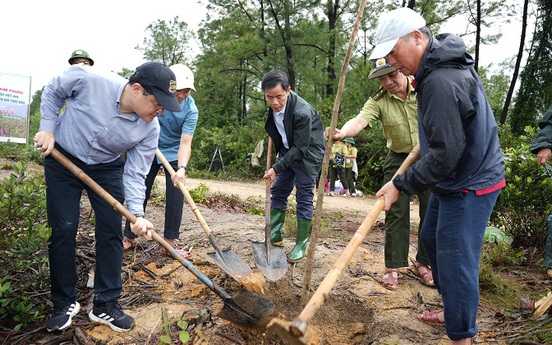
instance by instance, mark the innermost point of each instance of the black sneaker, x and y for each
(111, 314)
(61, 319)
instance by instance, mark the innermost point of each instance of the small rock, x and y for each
(359, 328)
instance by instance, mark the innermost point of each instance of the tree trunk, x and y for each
(332, 8)
(477, 35)
(287, 45)
(518, 64)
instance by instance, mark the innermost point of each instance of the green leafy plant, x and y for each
(182, 324)
(187, 328)
(23, 249)
(256, 205)
(200, 193)
(526, 201)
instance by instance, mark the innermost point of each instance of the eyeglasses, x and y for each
(153, 100)
(156, 104)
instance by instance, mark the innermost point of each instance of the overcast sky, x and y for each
(39, 36)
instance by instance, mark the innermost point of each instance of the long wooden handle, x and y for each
(192, 203)
(298, 326)
(267, 195)
(186, 193)
(267, 184)
(132, 218)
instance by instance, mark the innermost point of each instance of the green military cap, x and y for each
(79, 53)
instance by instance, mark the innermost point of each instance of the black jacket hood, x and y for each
(444, 50)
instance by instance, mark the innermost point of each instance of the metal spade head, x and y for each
(230, 263)
(271, 261)
(248, 309)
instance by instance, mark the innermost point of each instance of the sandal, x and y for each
(184, 253)
(128, 244)
(391, 279)
(432, 317)
(424, 272)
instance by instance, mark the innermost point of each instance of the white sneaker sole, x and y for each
(106, 320)
(69, 321)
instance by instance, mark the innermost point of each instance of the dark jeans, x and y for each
(63, 193)
(453, 237)
(283, 185)
(173, 204)
(397, 220)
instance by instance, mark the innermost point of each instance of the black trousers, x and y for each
(174, 202)
(63, 193)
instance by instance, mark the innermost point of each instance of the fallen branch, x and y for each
(81, 338)
(543, 305)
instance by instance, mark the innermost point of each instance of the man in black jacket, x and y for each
(461, 161)
(298, 135)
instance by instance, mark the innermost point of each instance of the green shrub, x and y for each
(200, 193)
(23, 249)
(372, 151)
(24, 152)
(526, 201)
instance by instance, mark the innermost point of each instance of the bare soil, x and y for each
(158, 291)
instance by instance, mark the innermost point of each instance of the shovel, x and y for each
(226, 259)
(270, 259)
(245, 308)
(297, 331)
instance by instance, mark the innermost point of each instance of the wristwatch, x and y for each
(183, 167)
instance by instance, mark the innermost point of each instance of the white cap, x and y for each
(392, 26)
(184, 76)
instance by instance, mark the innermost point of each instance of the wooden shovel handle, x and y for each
(268, 166)
(105, 195)
(186, 193)
(132, 218)
(298, 326)
(81, 175)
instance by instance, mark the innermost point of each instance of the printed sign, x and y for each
(15, 102)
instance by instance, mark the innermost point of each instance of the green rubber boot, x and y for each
(303, 234)
(277, 219)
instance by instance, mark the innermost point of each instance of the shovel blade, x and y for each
(272, 264)
(230, 263)
(248, 309)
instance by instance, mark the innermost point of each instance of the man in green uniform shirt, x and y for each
(394, 104)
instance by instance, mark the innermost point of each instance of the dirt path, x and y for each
(356, 205)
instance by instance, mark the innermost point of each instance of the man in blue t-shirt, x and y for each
(175, 142)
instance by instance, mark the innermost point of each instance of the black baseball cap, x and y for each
(158, 79)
